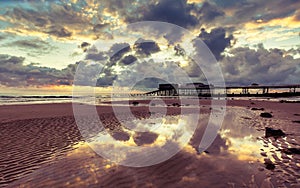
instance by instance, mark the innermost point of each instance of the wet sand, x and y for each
(42, 147)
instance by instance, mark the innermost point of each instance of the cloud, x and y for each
(177, 12)
(216, 40)
(107, 62)
(93, 54)
(158, 31)
(59, 31)
(145, 47)
(15, 73)
(117, 51)
(127, 60)
(51, 19)
(123, 63)
(242, 66)
(251, 10)
(84, 44)
(33, 46)
(274, 66)
(229, 3)
(209, 13)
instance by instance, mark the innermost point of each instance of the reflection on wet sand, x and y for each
(235, 159)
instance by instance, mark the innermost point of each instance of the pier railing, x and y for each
(209, 90)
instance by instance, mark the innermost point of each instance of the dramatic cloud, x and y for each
(54, 19)
(117, 51)
(209, 12)
(216, 40)
(127, 60)
(108, 62)
(173, 11)
(29, 27)
(274, 66)
(146, 47)
(246, 10)
(13, 72)
(123, 63)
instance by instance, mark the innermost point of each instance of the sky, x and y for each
(43, 42)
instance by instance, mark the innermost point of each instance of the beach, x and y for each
(43, 147)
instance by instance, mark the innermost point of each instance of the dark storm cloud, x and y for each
(117, 51)
(85, 44)
(13, 72)
(107, 80)
(127, 60)
(209, 13)
(246, 10)
(185, 14)
(119, 55)
(173, 11)
(281, 9)
(216, 40)
(262, 66)
(146, 47)
(65, 20)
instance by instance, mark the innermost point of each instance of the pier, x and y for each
(203, 90)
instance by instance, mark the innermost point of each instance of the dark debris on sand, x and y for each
(269, 164)
(270, 132)
(290, 151)
(266, 115)
(135, 103)
(262, 109)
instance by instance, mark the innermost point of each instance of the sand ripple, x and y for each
(27, 144)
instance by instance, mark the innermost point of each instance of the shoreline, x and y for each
(28, 100)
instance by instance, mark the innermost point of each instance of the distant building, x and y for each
(168, 89)
(167, 86)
